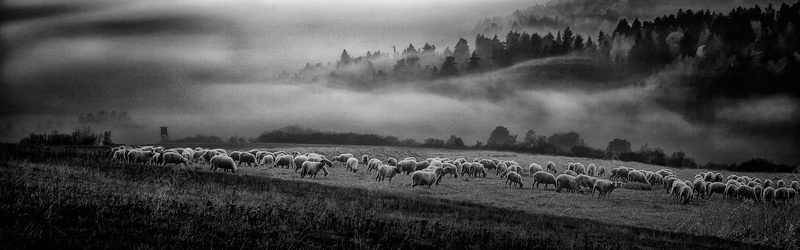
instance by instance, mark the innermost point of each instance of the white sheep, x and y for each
(570, 172)
(579, 168)
(223, 162)
(514, 178)
(501, 168)
(545, 178)
(637, 176)
(604, 187)
(408, 166)
(247, 158)
(655, 179)
(374, 163)
(342, 158)
(268, 160)
(235, 155)
(489, 164)
(391, 161)
(422, 178)
(767, 183)
(699, 188)
(675, 189)
(585, 181)
(686, 194)
(601, 170)
(451, 169)
(173, 158)
(715, 187)
(591, 170)
(298, 162)
(568, 182)
(466, 168)
(284, 161)
(352, 164)
(551, 166)
(143, 157)
(769, 195)
(780, 184)
(364, 159)
(731, 191)
(311, 168)
(386, 171)
(759, 191)
(746, 192)
(535, 168)
(782, 194)
(478, 169)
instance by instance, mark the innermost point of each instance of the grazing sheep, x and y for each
(352, 164)
(570, 172)
(119, 155)
(780, 184)
(620, 173)
(311, 168)
(686, 194)
(501, 168)
(140, 156)
(466, 168)
(655, 179)
(478, 169)
(248, 158)
(731, 191)
(515, 168)
(699, 188)
(386, 171)
(570, 166)
(664, 172)
(591, 170)
(421, 165)
(675, 189)
(268, 160)
(407, 166)
(601, 170)
(795, 185)
(514, 178)
(364, 159)
(568, 182)
(668, 183)
(709, 177)
(535, 168)
(585, 181)
(733, 182)
(759, 191)
(551, 166)
(768, 183)
(422, 178)
(451, 169)
(715, 187)
(746, 192)
(342, 158)
(604, 187)
(208, 154)
(223, 162)
(235, 155)
(782, 195)
(718, 177)
(525, 170)
(173, 158)
(374, 163)
(488, 164)
(579, 168)
(198, 155)
(769, 195)
(545, 178)
(284, 161)
(637, 176)
(391, 161)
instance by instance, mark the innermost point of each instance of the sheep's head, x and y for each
(326, 162)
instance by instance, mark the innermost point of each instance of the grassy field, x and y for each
(57, 198)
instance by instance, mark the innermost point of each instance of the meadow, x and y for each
(74, 198)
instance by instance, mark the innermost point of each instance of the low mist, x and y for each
(210, 69)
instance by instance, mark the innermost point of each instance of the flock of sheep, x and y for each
(575, 178)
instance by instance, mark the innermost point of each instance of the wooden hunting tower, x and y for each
(164, 135)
